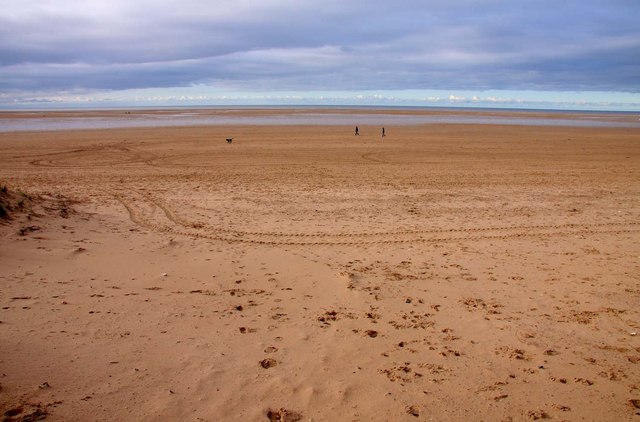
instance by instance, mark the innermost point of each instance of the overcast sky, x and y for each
(419, 52)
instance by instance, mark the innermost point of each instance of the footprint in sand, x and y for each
(283, 415)
(401, 373)
(268, 363)
(21, 413)
(413, 411)
(512, 353)
(538, 414)
(371, 333)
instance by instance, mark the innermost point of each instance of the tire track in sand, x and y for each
(154, 215)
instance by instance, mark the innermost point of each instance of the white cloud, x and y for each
(455, 98)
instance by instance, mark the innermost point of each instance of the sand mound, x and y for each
(16, 205)
(12, 203)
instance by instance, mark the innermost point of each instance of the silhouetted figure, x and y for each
(383, 135)
(229, 140)
(357, 133)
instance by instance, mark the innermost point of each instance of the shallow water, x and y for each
(298, 117)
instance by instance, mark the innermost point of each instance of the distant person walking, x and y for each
(357, 133)
(383, 135)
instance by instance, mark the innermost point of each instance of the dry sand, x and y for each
(445, 272)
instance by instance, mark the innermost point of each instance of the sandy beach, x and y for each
(301, 273)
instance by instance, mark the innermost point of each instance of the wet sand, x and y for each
(13, 121)
(444, 272)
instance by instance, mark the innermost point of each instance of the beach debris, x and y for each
(229, 140)
(164, 274)
(633, 333)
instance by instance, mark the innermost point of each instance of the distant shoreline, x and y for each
(56, 120)
(311, 107)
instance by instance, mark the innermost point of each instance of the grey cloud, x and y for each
(278, 44)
